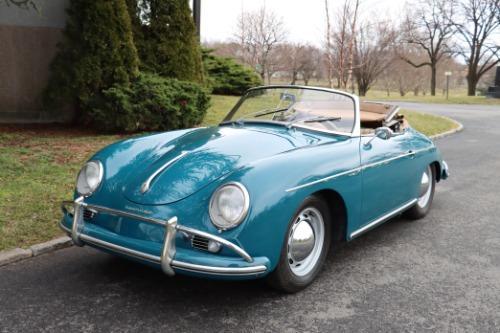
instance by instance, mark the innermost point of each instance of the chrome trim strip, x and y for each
(383, 218)
(219, 270)
(355, 171)
(220, 240)
(390, 159)
(121, 249)
(64, 228)
(175, 264)
(146, 185)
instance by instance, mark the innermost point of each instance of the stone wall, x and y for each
(28, 40)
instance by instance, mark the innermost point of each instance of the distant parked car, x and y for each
(288, 172)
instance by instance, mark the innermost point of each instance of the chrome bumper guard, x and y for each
(446, 171)
(167, 259)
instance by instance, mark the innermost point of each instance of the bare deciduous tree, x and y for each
(258, 33)
(337, 44)
(352, 42)
(23, 4)
(373, 53)
(311, 62)
(428, 26)
(328, 47)
(476, 24)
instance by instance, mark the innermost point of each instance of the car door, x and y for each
(386, 184)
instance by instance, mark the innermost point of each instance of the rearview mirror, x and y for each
(384, 133)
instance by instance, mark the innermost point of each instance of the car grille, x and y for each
(88, 214)
(200, 243)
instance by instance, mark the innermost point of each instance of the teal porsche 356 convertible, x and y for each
(289, 172)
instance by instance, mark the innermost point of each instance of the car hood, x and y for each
(183, 166)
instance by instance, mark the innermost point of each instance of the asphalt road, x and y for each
(441, 273)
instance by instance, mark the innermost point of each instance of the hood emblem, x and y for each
(147, 184)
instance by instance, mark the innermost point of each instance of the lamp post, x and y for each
(447, 74)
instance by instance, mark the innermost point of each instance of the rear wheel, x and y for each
(424, 201)
(305, 248)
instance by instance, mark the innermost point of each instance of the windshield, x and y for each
(316, 109)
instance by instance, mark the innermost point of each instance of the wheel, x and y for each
(424, 202)
(305, 248)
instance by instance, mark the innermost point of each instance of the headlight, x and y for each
(89, 178)
(229, 205)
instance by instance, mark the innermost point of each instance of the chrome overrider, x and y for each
(167, 258)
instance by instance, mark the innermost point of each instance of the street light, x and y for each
(447, 74)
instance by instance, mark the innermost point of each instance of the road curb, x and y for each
(11, 256)
(18, 254)
(50, 246)
(460, 127)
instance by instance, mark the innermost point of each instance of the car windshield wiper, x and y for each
(321, 119)
(313, 120)
(256, 115)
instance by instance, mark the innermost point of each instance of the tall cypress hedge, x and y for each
(166, 38)
(97, 52)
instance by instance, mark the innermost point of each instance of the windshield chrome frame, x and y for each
(356, 129)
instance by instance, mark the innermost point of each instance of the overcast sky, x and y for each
(303, 19)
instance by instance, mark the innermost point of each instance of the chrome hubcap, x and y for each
(302, 241)
(305, 241)
(425, 188)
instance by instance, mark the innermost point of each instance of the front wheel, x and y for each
(424, 201)
(305, 248)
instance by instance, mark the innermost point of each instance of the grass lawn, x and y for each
(429, 124)
(39, 167)
(455, 97)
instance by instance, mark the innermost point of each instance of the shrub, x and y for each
(226, 77)
(96, 53)
(150, 103)
(168, 44)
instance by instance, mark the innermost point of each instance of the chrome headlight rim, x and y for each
(99, 178)
(243, 214)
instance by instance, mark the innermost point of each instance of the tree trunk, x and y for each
(294, 78)
(362, 88)
(433, 80)
(471, 85)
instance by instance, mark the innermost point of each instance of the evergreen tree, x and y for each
(96, 53)
(169, 46)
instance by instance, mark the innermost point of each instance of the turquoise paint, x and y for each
(269, 160)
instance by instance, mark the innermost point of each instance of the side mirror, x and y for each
(383, 133)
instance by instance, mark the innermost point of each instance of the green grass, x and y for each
(429, 124)
(38, 167)
(38, 170)
(221, 105)
(455, 97)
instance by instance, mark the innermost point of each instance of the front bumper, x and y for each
(167, 258)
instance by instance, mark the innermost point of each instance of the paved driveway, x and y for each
(438, 274)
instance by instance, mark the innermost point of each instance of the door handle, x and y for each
(410, 154)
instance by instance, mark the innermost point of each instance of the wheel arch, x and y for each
(338, 211)
(437, 169)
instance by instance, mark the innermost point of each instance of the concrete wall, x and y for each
(28, 40)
